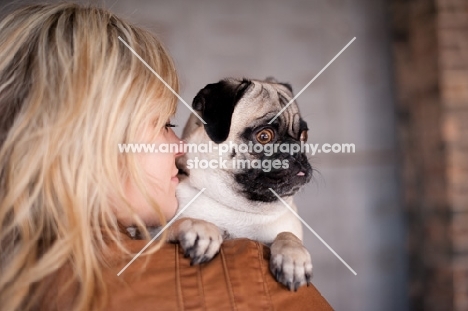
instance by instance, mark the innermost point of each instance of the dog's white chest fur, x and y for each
(238, 216)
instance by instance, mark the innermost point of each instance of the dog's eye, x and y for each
(303, 136)
(265, 136)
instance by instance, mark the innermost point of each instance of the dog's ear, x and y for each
(288, 86)
(273, 80)
(216, 102)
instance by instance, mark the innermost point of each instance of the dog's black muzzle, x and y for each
(292, 171)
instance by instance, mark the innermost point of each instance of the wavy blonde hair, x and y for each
(70, 92)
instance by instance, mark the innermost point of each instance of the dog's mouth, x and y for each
(256, 183)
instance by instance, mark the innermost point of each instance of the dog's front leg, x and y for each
(290, 261)
(199, 239)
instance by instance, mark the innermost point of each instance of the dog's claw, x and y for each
(278, 274)
(199, 260)
(296, 286)
(308, 279)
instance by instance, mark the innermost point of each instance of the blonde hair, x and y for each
(70, 92)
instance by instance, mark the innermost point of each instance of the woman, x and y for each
(70, 92)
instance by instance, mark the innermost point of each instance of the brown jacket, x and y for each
(238, 278)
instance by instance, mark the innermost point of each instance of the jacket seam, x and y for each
(180, 301)
(265, 286)
(228, 280)
(200, 287)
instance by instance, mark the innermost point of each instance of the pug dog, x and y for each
(238, 202)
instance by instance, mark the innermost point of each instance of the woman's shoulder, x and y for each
(237, 278)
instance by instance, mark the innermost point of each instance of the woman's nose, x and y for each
(180, 143)
(181, 149)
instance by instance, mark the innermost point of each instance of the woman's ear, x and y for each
(217, 102)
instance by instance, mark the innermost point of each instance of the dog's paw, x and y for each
(199, 239)
(290, 261)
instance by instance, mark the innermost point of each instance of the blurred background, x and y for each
(396, 210)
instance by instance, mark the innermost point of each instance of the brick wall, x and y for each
(430, 47)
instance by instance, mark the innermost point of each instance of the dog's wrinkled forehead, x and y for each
(264, 100)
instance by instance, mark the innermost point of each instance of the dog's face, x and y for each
(238, 112)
